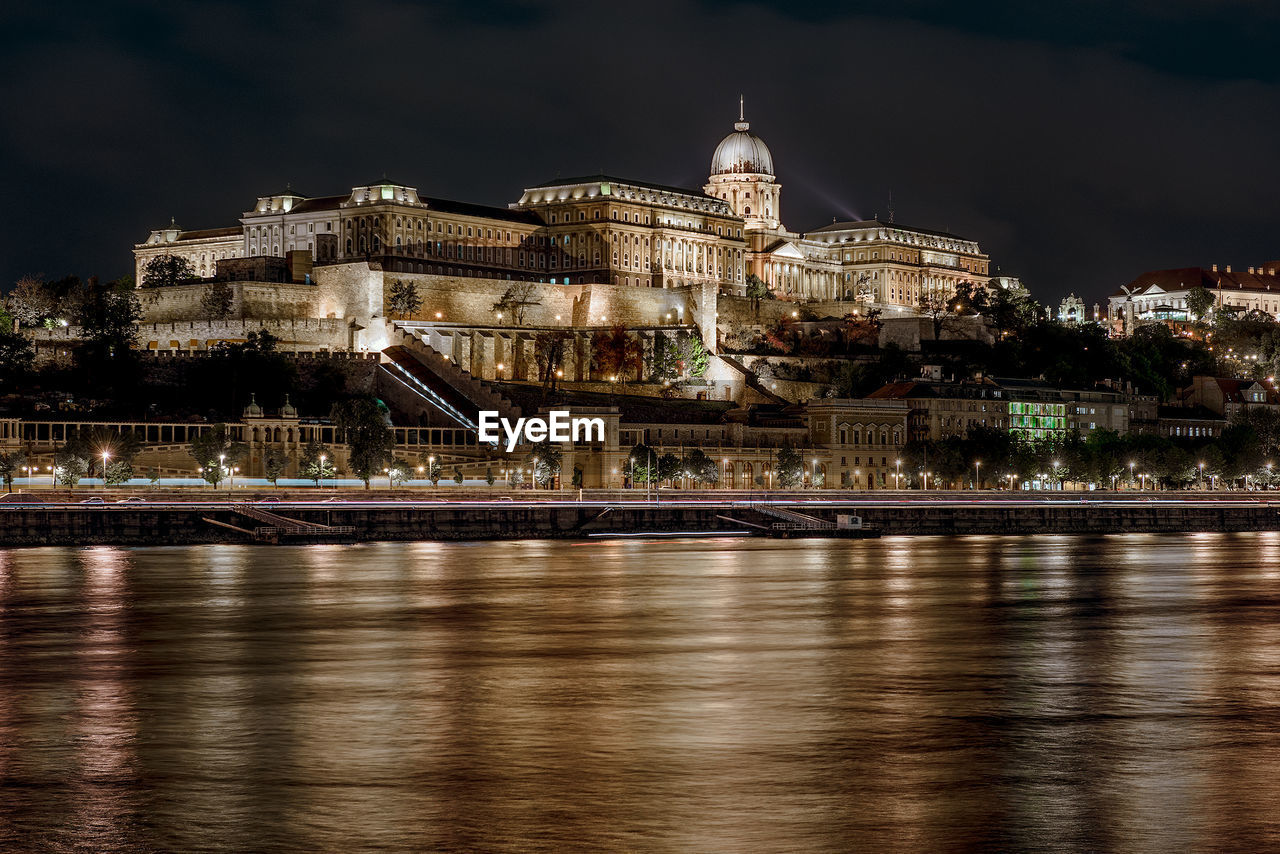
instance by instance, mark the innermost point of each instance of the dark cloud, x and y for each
(1080, 145)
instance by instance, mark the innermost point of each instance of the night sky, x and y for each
(1079, 145)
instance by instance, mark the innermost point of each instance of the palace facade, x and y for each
(596, 229)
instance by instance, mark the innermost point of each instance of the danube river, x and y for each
(1040, 693)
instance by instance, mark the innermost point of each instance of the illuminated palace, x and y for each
(591, 229)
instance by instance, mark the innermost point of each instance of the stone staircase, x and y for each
(438, 367)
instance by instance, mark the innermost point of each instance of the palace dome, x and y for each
(742, 152)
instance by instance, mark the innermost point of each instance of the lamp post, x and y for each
(1056, 475)
(1200, 478)
(1131, 464)
(976, 465)
(924, 481)
(222, 467)
(105, 455)
(322, 459)
(813, 481)
(897, 474)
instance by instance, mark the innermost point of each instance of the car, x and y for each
(270, 500)
(505, 498)
(332, 500)
(132, 499)
(94, 500)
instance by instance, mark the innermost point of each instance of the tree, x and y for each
(405, 301)
(516, 301)
(789, 467)
(548, 354)
(757, 290)
(935, 306)
(316, 462)
(544, 461)
(669, 467)
(488, 476)
(11, 463)
(164, 271)
(216, 301)
(617, 353)
(117, 472)
(664, 360)
(216, 452)
(1199, 302)
(31, 301)
(274, 464)
(365, 424)
(694, 355)
(108, 324)
(701, 468)
(16, 356)
(969, 299)
(398, 472)
(69, 466)
(642, 463)
(457, 476)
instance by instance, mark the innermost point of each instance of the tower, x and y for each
(742, 175)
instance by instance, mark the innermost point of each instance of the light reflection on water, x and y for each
(1047, 693)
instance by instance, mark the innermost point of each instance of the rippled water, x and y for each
(1048, 693)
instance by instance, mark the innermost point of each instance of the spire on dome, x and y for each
(741, 123)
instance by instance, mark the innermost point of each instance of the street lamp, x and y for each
(1200, 479)
(1131, 465)
(1055, 474)
(924, 481)
(976, 465)
(105, 454)
(897, 474)
(322, 459)
(813, 481)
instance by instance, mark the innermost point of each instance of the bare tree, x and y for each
(31, 301)
(516, 301)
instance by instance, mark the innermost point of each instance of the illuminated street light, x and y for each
(976, 465)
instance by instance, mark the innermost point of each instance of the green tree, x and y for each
(398, 472)
(216, 452)
(316, 463)
(274, 464)
(108, 328)
(669, 467)
(789, 467)
(642, 464)
(544, 461)
(757, 290)
(365, 424)
(405, 301)
(11, 462)
(69, 466)
(664, 361)
(488, 476)
(457, 476)
(164, 271)
(694, 355)
(431, 468)
(701, 468)
(1199, 302)
(216, 301)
